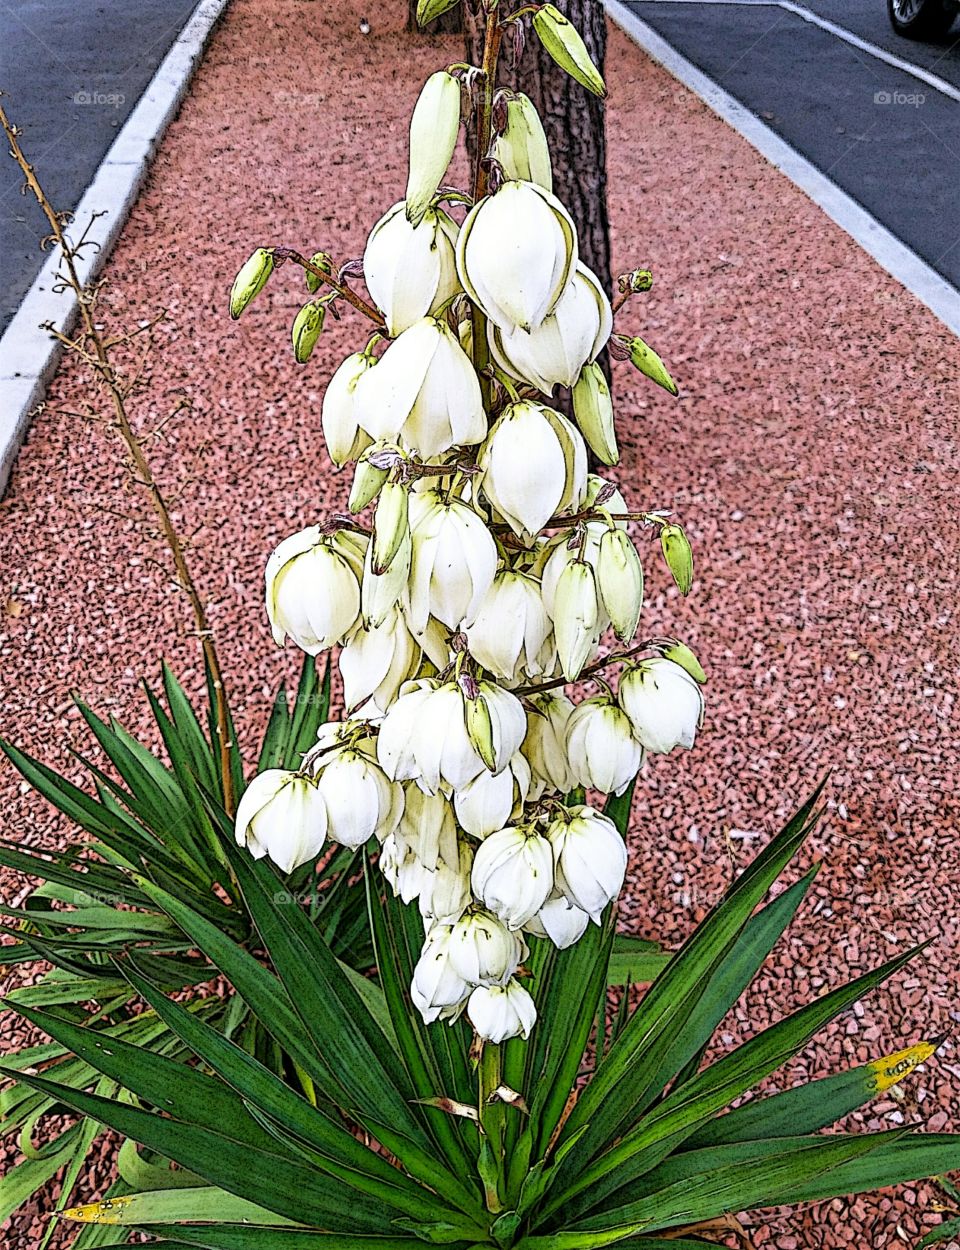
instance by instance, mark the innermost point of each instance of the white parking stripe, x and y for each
(887, 250)
(881, 54)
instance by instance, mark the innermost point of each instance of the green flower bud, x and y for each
(620, 582)
(250, 281)
(428, 10)
(679, 556)
(480, 729)
(593, 410)
(647, 361)
(681, 654)
(322, 261)
(390, 526)
(563, 43)
(368, 480)
(522, 148)
(306, 330)
(433, 136)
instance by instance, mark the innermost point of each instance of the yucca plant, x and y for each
(167, 819)
(595, 1135)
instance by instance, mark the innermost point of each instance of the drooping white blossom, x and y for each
(513, 873)
(604, 755)
(591, 859)
(283, 815)
(313, 588)
(499, 1012)
(410, 270)
(453, 562)
(526, 647)
(664, 704)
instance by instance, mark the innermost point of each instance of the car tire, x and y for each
(921, 19)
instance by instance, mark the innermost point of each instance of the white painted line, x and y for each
(895, 257)
(28, 354)
(841, 32)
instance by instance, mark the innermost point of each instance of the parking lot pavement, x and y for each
(889, 139)
(71, 74)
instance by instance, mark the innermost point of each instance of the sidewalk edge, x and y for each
(29, 355)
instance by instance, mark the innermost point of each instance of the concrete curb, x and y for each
(887, 250)
(29, 355)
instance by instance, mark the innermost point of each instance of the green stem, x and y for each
(488, 82)
(491, 1111)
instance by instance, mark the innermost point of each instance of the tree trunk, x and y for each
(449, 23)
(573, 120)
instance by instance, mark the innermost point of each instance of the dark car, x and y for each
(922, 19)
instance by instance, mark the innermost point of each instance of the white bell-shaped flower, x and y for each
(620, 582)
(545, 744)
(437, 991)
(483, 950)
(513, 873)
(283, 815)
(534, 464)
(591, 859)
(487, 803)
(423, 390)
(445, 891)
(398, 740)
(499, 1012)
(523, 649)
(664, 704)
(411, 270)
(313, 588)
(376, 661)
(577, 618)
(572, 336)
(429, 828)
(516, 252)
(560, 921)
(361, 802)
(401, 868)
(454, 560)
(338, 412)
(604, 755)
(380, 592)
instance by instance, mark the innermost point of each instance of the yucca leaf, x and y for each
(621, 1086)
(341, 1153)
(267, 1176)
(20, 1182)
(233, 1238)
(768, 1178)
(812, 1106)
(710, 1091)
(310, 710)
(896, 1161)
(635, 961)
(168, 1206)
(204, 761)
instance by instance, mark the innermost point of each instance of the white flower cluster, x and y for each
(469, 601)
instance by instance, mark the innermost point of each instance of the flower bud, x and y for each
(250, 280)
(410, 270)
(282, 814)
(513, 873)
(524, 648)
(664, 704)
(483, 951)
(534, 464)
(380, 593)
(620, 582)
(563, 43)
(591, 859)
(428, 10)
(681, 654)
(445, 891)
(321, 261)
(649, 363)
(576, 618)
(545, 744)
(423, 390)
(559, 921)
(593, 411)
(487, 803)
(570, 337)
(433, 136)
(368, 480)
(604, 755)
(390, 525)
(437, 992)
(499, 1012)
(679, 556)
(345, 440)
(521, 150)
(361, 803)
(313, 590)
(307, 326)
(522, 229)
(376, 660)
(454, 560)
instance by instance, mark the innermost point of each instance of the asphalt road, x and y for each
(71, 72)
(890, 141)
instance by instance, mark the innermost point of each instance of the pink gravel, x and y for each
(813, 456)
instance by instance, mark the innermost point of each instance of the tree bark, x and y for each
(449, 23)
(573, 120)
